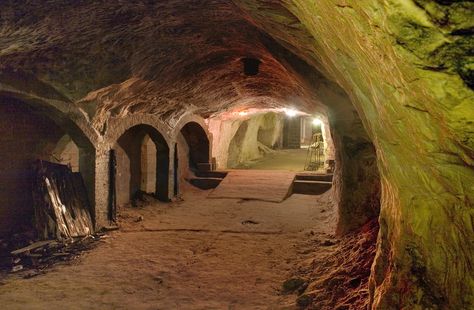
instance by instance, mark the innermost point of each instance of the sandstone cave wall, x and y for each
(357, 188)
(406, 69)
(329, 148)
(236, 140)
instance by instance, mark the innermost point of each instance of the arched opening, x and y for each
(142, 156)
(191, 156)
(197, 145)
(66, 152)
(31, 133)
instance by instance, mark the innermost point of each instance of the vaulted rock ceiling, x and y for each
(395, 73)
(158, 57)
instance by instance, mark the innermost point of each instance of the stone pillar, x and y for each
(101, 200)
(171, 171)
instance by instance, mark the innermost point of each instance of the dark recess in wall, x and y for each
(251, 66)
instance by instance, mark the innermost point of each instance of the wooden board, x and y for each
(33, 246)
(62, 209)
(263, 185)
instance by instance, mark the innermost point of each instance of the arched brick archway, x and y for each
(132, 166)
(198, 144)
(198, 139)
(31, 130)
(192, 148)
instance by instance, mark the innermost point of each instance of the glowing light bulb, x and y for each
(317, 122)
(291, 112)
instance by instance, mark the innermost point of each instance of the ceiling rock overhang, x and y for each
(114, 58)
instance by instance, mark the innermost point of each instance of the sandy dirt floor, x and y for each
(198, 253)
(290, 160)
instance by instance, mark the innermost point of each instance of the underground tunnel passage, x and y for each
(236, 154)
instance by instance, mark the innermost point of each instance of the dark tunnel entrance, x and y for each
(198, 145)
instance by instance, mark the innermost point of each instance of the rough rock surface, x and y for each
(406, 67)
(337, 276)
(160, 57)
(242, 139)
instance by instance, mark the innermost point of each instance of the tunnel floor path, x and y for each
(198, 253)
(288, 159)
(266, 185)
